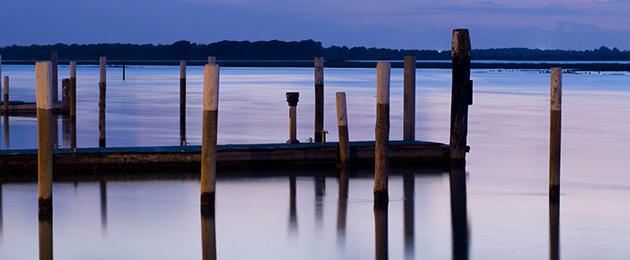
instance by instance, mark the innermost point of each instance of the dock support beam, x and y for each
(102, 87)
(461, 96)
(342, 123)
(43, 71)
(409, 121)
(319, 99)
(209, 136)
(555, 134)
(381, 159)
(182, 102)
(292, 100)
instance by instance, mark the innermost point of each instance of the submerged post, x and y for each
(319, 99)
(43, 77)
(55, 75)
(555, 134)
(182, 102)
(209, 135)
(73, 91)
(409, 120)
(102, 87)
(342, 123)
(381, 159)
(461, 96)
(5, 105)
(292, 99)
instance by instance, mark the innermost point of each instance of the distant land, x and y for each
(293, 50)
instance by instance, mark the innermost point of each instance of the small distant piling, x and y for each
(409, 82)
(319, 98)
(5, 105)
(182, 102)
(212, 60)
(461, 96)
(102, 87)
(124, 69)
(342, 123)
(292, 100)
(73, 91)
(209, 135)
(555, 134)
(381, 133)
(55, 75)
(43, 71)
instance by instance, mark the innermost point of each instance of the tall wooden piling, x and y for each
(381, 133)
(555, 134)
(342, 123)
(292, 100)
(409, 82)
(43, 73)
(182, 102)
(461, 96)
(319, 99)
(73, 91)
(209, 135)
(5, 105)
(55, 75)
(102, 87)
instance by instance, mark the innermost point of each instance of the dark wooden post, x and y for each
(43, 71)
(292, 99)
(73, 104)
(319, 99)
(65, 94)
(209, 135)
(182, 102)
(461, 96)
(55, 75)
(409, 120)
(102, 87)
(555, 134)
(124, 68)
(342, 123)
(381, 159)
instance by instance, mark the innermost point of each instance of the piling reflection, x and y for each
(380, 234)
(45, 238)
(459, 211)
(6, 132)
(208, 236)
(292, 206)
(342, 208)
(66, 132)
(320, 192)
(54, 130)
(554, 230)
(103, 195)
(408, 214)
(1, 211)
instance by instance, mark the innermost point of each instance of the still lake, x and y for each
(507, 214)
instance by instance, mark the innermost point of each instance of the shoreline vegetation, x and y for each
(300, 54)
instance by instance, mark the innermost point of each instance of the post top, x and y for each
(43, 84)
(293, 98)
(460, 45)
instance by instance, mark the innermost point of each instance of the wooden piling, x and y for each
(292, 100)
(209, 135)
(381, 133)
(461, 96)
(43, 73)
(182, 102)
(55, 75)
(73, 91)
(212, 60)
(555, 134)
(319, 98)
(5, 105)
(65, 93)
(409, 120)
(124, 69)
(342, 123)
(102, 87)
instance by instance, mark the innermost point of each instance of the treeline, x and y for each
(282, 50)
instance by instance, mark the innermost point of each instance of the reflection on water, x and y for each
(380, 232)
(208, 236)
(459, 211)
(1, 212)
(409, 185)
(45, 238)
(7, 144)
(293, 225)
(554, 230)
(320, 192)
(103, 196)
(342, 207)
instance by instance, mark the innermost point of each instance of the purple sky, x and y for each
(420, 24)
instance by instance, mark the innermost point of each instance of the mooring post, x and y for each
(65, 92)
(55, 76)
(409, 120)
(209, 135)
(212, 60)
(292, 99)
(319, 98)
(381, 160)
(124, 67)
(102, 87)
(73, 91)
(5, 105)
(555, 134)
(461, 96)
(43, 71)
(342, 123)
(182, 102)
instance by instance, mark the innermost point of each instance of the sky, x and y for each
(408, 24)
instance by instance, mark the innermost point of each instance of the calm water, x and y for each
(504, 213)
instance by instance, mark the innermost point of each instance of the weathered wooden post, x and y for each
(182, 102)
(55, 75)
(43, 71)
(319, 99)
(409, 82)
(212, 60)
(555, 134)
(292, 99)
(381, 196)
(73, 91)
(342, 122)
(65, 94)
(461, 96)
(124, 68)
(102, 87)
(209, 135)
(5, 105)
